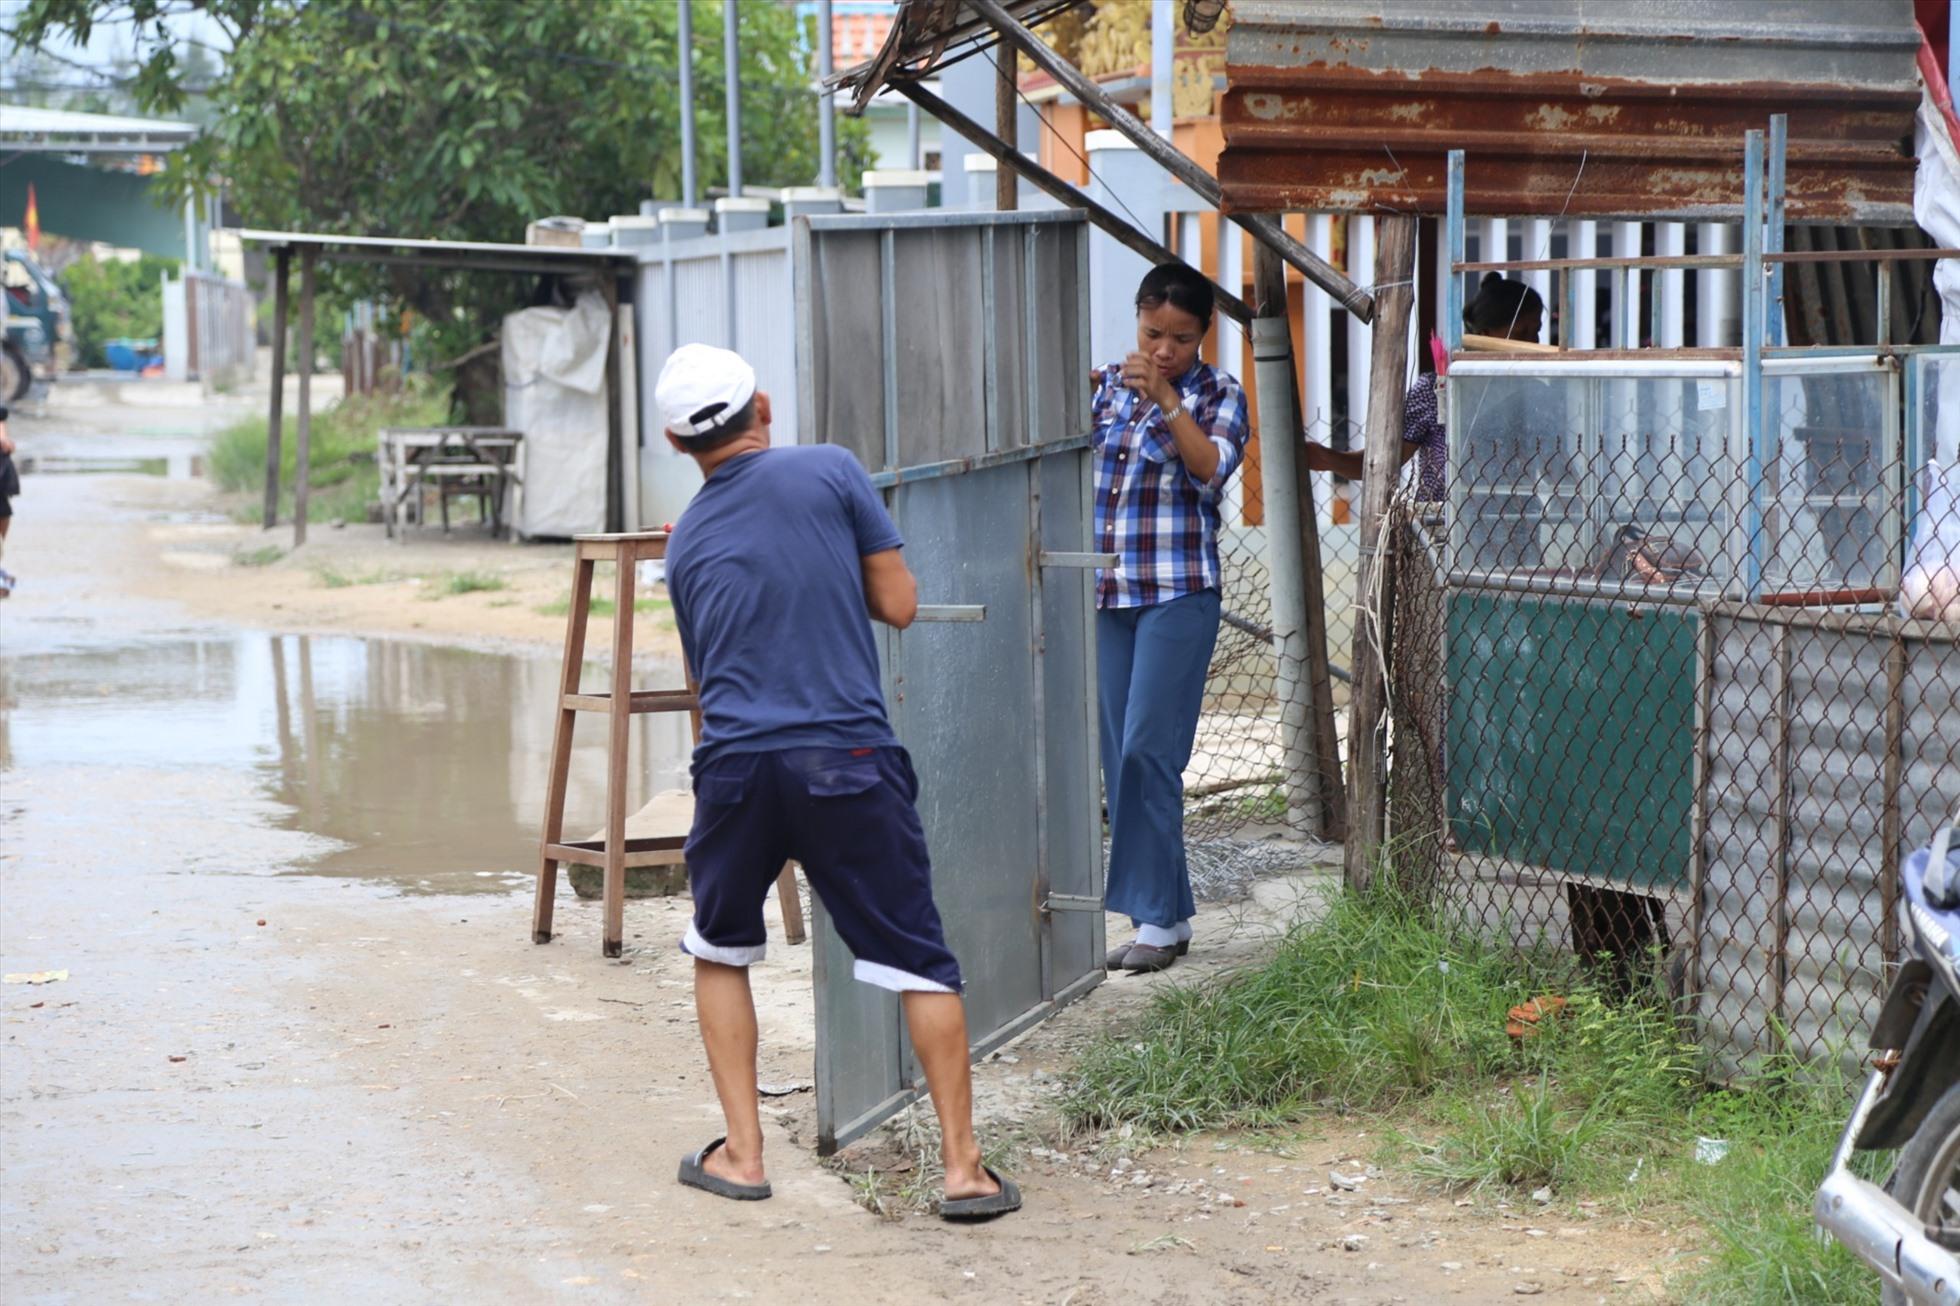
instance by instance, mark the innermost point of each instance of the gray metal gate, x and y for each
(949, 352)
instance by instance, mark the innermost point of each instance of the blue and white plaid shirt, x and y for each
(1160, 521)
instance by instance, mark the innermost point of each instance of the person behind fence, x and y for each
(1169, 430)
(776, 571)
(1502, 308)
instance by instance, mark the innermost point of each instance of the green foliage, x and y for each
(113, 299)
(263, 556)
(343, 479)
(462, 121)
(471, 582)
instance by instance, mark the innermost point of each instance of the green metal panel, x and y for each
(1571, 735)
(119, 208)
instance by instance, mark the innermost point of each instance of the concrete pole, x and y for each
(690, 195)
(190, 233)
(826, 106)
(731, 57)
(1163, 49)
(1395, 263)
(914, 153)
(1361, 266)
(1279, 454)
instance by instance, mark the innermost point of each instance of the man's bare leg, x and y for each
(937, 1022)
(726, 1011)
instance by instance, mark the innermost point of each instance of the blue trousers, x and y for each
(1150, 667)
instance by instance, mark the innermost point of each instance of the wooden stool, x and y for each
(614, 851)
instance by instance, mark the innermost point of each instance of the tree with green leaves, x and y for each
(460, 120)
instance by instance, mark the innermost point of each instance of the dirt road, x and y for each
(305, 1050)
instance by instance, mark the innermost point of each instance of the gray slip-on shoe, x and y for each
(694, 1173)
(1142, 959)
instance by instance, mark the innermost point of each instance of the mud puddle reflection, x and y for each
(426, 764)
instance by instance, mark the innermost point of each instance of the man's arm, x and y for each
(1346, 462)
(890, 593)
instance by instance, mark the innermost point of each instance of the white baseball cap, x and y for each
(701, 388)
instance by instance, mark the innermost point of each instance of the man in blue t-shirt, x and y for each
(776, 570)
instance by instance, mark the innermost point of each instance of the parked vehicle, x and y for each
(39, 333)
(1909, 1231)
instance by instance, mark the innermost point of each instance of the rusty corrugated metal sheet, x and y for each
(1352, 105)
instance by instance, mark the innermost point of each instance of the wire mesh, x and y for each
(1235, 782)
(1652, 701)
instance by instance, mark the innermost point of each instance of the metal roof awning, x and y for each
(487, 256)
(928, 35)
(1569, 106)
(27, 129)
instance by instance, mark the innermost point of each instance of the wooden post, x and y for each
(1311, 749)
(282, 264)
(1007, 126)
(1395, 254)
(305, 362)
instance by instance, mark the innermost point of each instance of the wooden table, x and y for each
(458, 460)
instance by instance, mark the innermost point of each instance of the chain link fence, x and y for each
(1233, 787)
(1651, 703)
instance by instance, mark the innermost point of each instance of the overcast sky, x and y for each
(111, 41)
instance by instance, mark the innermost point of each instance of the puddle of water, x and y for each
(172, 467)
(427, 764)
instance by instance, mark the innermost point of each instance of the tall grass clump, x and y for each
(1372, 1002)
(343, 476)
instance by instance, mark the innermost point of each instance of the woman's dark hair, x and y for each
(1498, 303)
(1180, 286)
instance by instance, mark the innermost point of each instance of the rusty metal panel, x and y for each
(1566, 106)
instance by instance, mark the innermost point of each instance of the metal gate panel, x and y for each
(947, 351)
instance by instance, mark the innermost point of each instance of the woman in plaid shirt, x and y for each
(1170, 429)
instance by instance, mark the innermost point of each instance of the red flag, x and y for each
(33, 221)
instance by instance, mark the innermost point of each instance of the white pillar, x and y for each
(1538, 245)
(1317, 344)
(1585, 287)
(1718, 310)
(826, 103)
(1118, 168)
(1626, 287)
(1231, 341)
(1361, 268)
(1496, 244)
(1671, 241)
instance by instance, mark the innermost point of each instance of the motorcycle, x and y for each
(1909, 1231)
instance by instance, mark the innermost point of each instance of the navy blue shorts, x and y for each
(848, 816)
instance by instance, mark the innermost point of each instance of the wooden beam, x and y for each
(1395, 253)
(1048, 183)
(1007, 183)
(282, 265)
(305, 449)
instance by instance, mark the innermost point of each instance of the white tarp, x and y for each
(555, 393)
(1936, 207)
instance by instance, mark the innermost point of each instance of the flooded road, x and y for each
(424, 765)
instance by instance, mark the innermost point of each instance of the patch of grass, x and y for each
(342, 476)
(472, 582)
(912, 1180)
(264, 556)
(334, 579)
(563, 607)
(1372, 1003)
(1377, 1003)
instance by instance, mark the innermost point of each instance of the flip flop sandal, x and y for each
(983, 1208)
(1114, 961)
(694, 1173)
